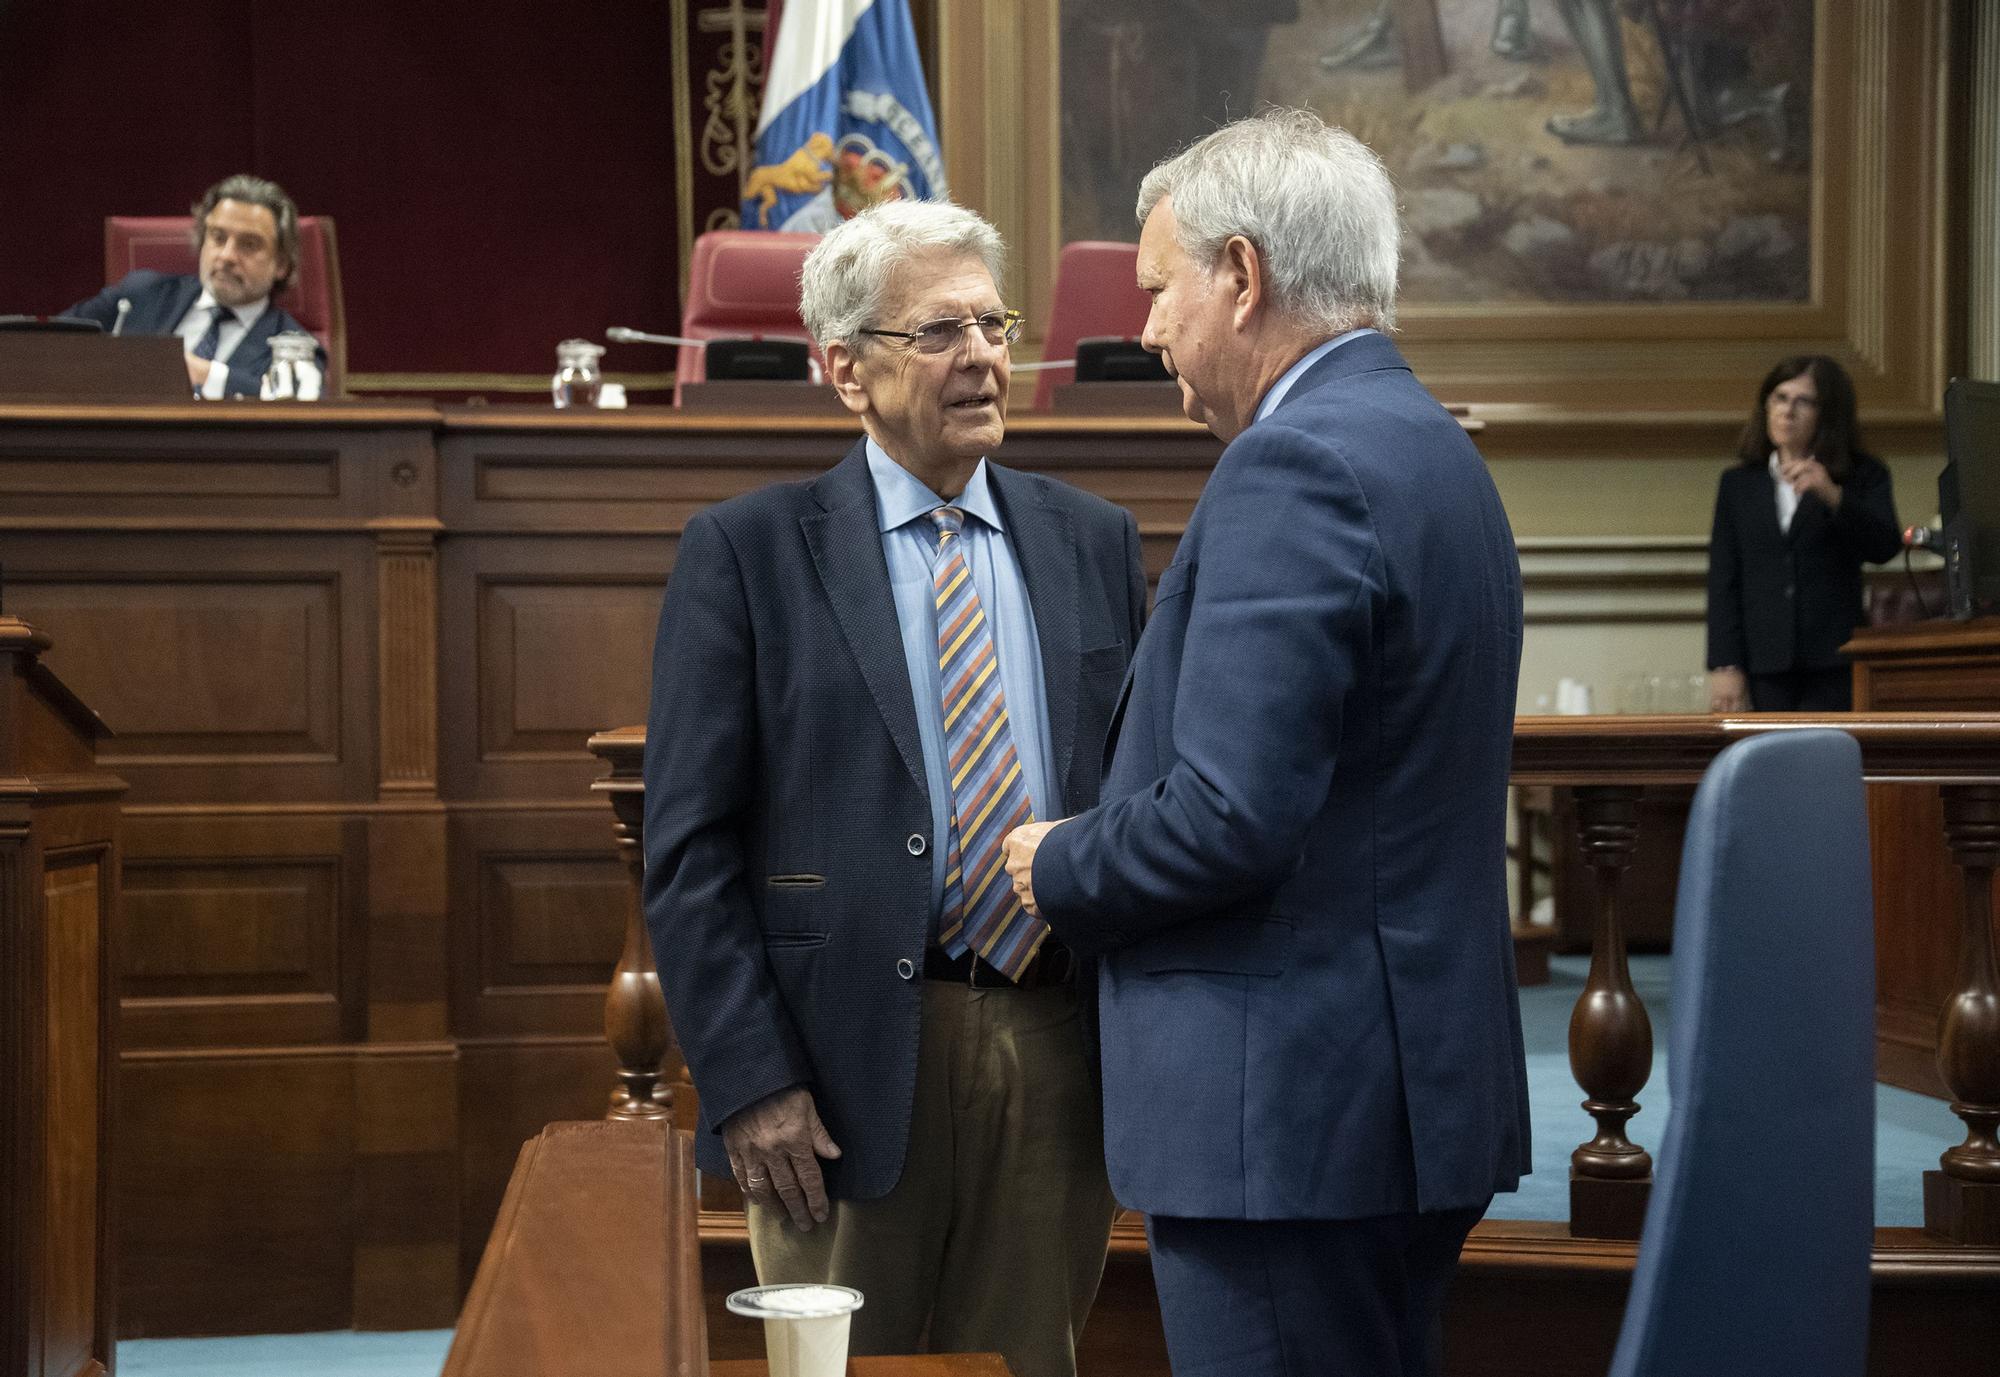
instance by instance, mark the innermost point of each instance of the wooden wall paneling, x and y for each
(244, 930)
(538, 910)
(409, 953)
(545, 640)
(1918, 894)
(508, 1090)
(77, 914)
(236, 1189)
(406, 1187)
(406, 657)
(230, 667)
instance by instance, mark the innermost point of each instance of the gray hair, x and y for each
(1315, 200)
(847, 275)
(255, 191)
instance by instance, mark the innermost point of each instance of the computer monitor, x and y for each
(1111, 358)
(757, 360)
(1969, 496)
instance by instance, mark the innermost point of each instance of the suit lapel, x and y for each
(176, 295)
(846, 546)
(1044, 541)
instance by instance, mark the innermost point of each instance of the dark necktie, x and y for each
(211, 339)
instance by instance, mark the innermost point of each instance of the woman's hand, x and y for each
(1728, 690)
(1808, 475)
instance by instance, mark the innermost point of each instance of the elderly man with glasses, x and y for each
(861, 684)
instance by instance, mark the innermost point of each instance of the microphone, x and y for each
(1923, 538)
(124, 309)
(621, 334)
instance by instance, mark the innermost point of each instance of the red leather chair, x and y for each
(161, 243)
(1097, 293)
(741, 283)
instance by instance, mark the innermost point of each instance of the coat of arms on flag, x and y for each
(846, 121)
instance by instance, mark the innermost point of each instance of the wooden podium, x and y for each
(1933, 666)
(59, 865)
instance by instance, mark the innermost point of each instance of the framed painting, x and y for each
(1609, 205)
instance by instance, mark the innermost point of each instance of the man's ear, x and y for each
(841, 370)
(1242, 271)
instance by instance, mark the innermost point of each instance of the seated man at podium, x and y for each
(247, 233)
(861, 682)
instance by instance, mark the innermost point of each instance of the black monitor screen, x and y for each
(756, 360)
(1107, 358)
(1969, 491)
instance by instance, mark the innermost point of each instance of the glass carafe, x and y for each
(577, 380)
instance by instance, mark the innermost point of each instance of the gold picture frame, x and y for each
(1879, 271)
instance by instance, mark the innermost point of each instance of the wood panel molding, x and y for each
(406, 574)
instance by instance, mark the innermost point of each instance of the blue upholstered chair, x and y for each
(1759, 1230)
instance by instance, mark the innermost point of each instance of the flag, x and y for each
(846, 120)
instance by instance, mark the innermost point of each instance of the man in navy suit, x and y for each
(247, 233)
(1312, 1060)
(860, 684)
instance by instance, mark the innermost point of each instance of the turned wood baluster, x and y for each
(635, 1012)
(1610, 1035)
(1963, 1200)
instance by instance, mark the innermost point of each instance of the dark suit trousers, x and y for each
(1307, 1297)
(1803, 690)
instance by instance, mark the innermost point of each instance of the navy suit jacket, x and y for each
(1298, 874)
(788, 822)
(1781, 600)
(159, 301)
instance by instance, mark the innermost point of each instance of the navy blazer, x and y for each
(1781, 600)
(159, 301)
(788, 885)
(1298, 875)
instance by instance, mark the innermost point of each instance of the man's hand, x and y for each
(1808, 475)
(197, 369)
(774, 1150)
(1728, 690)
(1021, 845)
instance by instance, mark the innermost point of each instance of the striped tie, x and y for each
(988, 796)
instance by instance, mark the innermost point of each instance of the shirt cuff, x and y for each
(216, 386)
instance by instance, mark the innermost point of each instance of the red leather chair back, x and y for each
(1097, 293)
(741, 283)
(161, 243)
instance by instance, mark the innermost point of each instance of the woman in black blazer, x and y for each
(1794, 520)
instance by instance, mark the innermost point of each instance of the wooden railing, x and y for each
(1608, 763)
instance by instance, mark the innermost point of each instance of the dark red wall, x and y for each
(501, 174)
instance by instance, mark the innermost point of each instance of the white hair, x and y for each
(847, 274)
(1315, 200)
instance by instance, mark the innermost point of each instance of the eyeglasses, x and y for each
(943, 336)
(1778, 403)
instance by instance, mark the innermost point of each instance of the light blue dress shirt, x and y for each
(910, 544)
(1298, 370)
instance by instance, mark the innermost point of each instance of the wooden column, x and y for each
(635, 1012)
(1962, 1201)
(1610, 1035)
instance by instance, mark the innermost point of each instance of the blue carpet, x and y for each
(419, 1353)
(1910, 1130)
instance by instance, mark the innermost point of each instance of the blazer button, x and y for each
(916, 844)
(906, 968)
